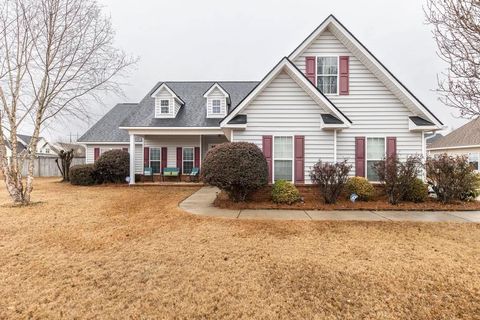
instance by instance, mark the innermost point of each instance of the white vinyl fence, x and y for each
(46, 166)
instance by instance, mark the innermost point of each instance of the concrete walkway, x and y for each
(201, 203)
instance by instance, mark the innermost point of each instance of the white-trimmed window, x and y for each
(187, 160)
(216, 106)
(327, 74)
(375, 153)
(473, 160)
(155, 161)
(164, 106)
(283, 158)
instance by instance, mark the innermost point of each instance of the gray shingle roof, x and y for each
(419, 121)
(194, 112)
(329, 119)
(106, 129)
(466, 135)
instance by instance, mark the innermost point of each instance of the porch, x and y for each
(170, 159)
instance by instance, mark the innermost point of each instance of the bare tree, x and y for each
(56, 56)
(456, 30)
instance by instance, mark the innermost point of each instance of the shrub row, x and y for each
(240, 168)
(111, 167)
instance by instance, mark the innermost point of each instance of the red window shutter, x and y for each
(96, 153)
(179, 158)
(197, 157)
(125, 149)
(299, 159)
(310, 66)
(360, 156)
(267, 152)
(146, 157)
(344, 75)
(391, 146)
(164, 158)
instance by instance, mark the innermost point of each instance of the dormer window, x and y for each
(216, 106)
(217, 101)
(167, 103)
(164, 106)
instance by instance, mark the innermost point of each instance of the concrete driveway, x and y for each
(201, 203)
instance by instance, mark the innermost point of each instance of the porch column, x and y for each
(132, 159)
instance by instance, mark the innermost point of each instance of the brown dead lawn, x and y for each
(120, 252)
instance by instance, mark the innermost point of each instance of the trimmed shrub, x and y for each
(451, 177)
(397, 176)
(417, 191)
(285, 192)
(361, 187)
(113, 166)
(330, 178)
(82, 175)
(238, 168)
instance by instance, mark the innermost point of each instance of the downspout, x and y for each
(335, 145)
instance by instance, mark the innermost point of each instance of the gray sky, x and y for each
(243, 40)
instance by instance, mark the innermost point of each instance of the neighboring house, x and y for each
(44, 148)
(329, 100)
(462, 141)
(431, 138)
(78, 150)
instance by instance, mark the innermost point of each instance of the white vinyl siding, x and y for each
(171, 143)
(89, 153)
(373, 109)
(216, 94)
(283, 108)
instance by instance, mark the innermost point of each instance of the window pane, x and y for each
(375, 148)
(187, 167)
(155, 154)
(283, 148)
(327, 65)
(155, 165)
(283, 170)
(371, 174)
(473, 160)
(187, 153)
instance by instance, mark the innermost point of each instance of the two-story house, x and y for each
(329, 100)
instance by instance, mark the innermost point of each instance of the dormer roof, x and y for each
(164, 86)
(214, 86)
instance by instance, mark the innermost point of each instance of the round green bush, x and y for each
(416, 191)
(82, 175)
(361, 187)
(113, 166)
(285, 192)
(238, 168)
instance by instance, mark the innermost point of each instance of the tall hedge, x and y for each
(113, 166)
(238, 168)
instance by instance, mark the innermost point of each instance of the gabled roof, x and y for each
(371, 62)
(286, 65)
(467, 135)
(166, 87)
(107, 128)
(214, 86)
(193, 114)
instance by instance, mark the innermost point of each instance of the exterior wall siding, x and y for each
(89, 153)
(285, 109)
(373, 109)
(454, 152)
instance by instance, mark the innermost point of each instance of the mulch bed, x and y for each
(314, 201)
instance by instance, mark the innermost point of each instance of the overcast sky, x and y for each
(243, 40)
